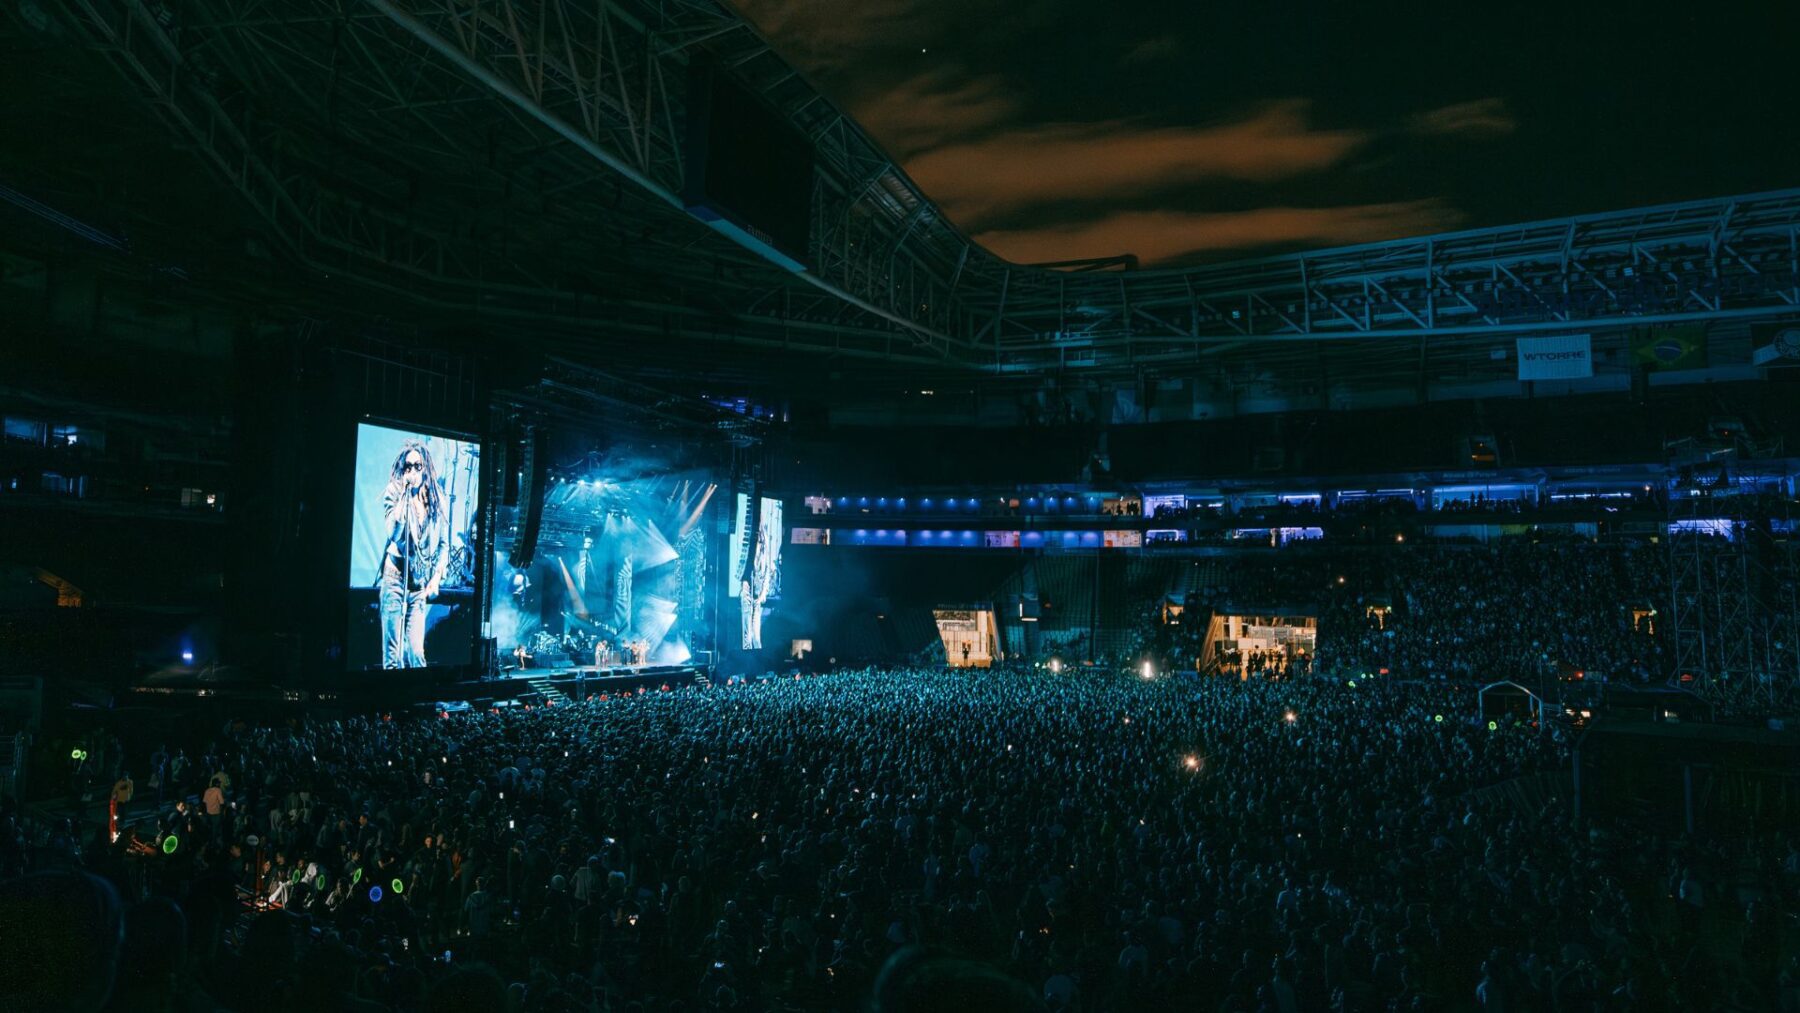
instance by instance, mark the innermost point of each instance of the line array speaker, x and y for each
(530, 475)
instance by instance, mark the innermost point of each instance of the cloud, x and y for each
(931, 110)
(806, 26)
(1034, 166)
(1481, 118)
(833, 38)
(1151, 50)
(1157, 236)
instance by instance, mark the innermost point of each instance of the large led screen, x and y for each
(761, 582)
(619, 578)
(413, 549)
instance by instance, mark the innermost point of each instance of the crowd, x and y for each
(893, 840)
(1518, 610)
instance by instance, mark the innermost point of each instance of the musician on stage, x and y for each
(416, 555)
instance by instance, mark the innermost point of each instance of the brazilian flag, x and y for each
(1682, 346)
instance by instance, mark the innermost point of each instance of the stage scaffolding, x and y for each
(1733, 619)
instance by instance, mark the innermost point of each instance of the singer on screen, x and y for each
(412, 565)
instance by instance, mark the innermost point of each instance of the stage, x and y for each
(576, 682)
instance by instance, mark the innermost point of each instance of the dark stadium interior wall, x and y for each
(1600, 428)
(873, 605)
(288, 437)
(118, 359)
(1334, 376)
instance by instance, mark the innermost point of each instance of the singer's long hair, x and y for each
(428, 480)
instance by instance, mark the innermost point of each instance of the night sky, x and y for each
(1056, 129)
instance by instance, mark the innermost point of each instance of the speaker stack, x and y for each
(530, 497)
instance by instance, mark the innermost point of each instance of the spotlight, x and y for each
(187, 657)
(1290, 717)
(1148, 672)
(1055, 664)
(1191, 762)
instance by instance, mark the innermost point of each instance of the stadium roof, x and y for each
(514, 167)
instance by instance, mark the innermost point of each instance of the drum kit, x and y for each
(544, 644)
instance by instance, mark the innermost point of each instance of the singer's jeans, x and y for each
(751, 615)
(402, 623)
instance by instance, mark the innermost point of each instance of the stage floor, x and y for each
(605, 678)
(593, 671)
